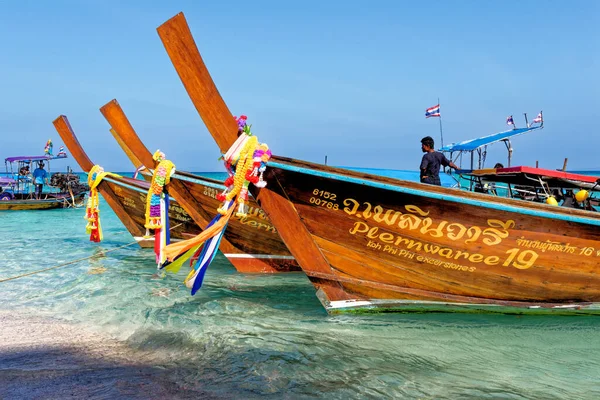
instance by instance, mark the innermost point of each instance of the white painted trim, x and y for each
(265, 256)
(142, 238)
(349, 303)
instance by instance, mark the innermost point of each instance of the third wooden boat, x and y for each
(126, 196)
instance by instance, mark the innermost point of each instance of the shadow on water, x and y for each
(61, 372)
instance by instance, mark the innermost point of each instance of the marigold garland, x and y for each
(157, 206)
(160, 178)
(92, 210)
(245, 162)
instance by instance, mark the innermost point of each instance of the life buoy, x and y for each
(5, 196)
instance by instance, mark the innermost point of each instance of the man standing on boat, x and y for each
(40, 176)
(430, 164)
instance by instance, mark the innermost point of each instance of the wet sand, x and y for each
(43, 358)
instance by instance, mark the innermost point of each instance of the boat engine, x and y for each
(68, 180)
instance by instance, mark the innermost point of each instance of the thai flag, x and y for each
(538, 119)
(433, 111)
(509, 121)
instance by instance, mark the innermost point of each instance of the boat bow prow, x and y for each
(124, 132)
(134, 160)
(181, 47)
(63, 127)
(185, 56)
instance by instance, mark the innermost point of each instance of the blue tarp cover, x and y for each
(470, 145)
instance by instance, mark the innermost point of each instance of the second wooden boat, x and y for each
(251, 243)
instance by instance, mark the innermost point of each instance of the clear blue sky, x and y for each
(347, 79)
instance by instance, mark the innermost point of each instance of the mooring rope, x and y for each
(74, 261)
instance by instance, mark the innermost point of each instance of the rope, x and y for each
(65, 264)
(74, 261)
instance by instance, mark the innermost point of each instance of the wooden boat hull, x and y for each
(394, 244)
(259, 248)
(30, 204)
(53, 201)
(132, 195)
(374, 243)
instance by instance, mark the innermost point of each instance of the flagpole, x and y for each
(441, 134)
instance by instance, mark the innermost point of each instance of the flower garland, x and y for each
(157, 205)
(48, 148)
(92, 210)
(245, 162)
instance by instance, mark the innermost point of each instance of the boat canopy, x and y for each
(5, 181)
(473, 144)
(537, 177)
(479, 146)
(34, 158)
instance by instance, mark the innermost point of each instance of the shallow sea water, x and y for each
(249, 336)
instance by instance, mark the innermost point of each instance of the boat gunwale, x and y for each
(426, 190)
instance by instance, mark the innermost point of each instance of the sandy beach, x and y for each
(43, 358)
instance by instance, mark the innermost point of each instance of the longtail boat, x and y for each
(373, 243)
(16, 191)
(251, 243)
(126, 196)
(556, 187)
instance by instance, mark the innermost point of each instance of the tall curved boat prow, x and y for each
(251, 243)
(126, 196)
(375, 243)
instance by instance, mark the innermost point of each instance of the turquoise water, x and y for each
(249, 336)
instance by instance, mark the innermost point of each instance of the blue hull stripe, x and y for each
(439, 196)
(136, 189)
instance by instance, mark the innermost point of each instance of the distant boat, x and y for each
(16, 188)
(521, 182)
(373, 243)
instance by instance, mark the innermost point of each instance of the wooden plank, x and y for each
(134, 160)
(181, 47)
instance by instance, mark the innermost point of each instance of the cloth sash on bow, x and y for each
(245, 162)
